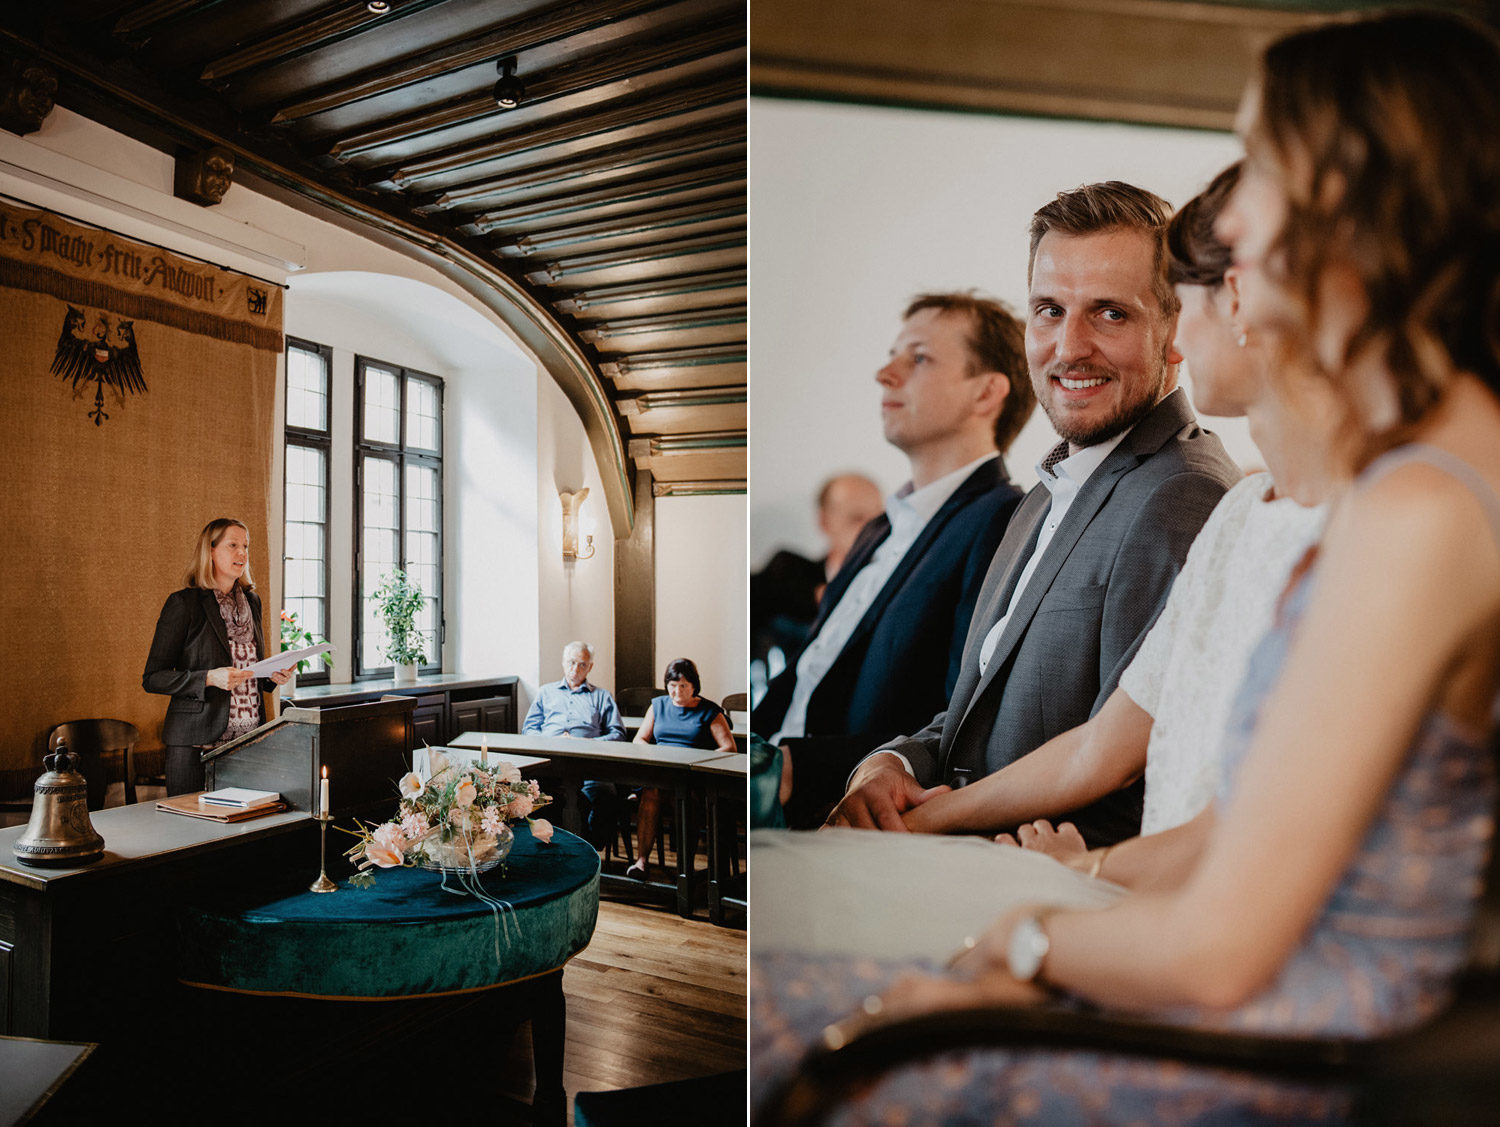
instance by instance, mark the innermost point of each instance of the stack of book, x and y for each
(228, 804)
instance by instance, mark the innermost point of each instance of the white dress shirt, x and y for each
(909, 511)
(1064, 481)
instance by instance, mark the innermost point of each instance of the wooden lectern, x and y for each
(364, 746)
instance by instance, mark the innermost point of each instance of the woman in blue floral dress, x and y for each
(1334, 889)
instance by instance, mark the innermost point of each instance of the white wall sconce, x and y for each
(571, 504)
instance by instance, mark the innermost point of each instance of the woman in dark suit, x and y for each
(208, 635)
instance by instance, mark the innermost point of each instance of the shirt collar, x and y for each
(583, 688)
(1075, 469)
(909, 505)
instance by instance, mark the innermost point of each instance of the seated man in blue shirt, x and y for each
(573, 707)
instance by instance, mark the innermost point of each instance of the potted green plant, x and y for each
(399, 600)
(295, 636)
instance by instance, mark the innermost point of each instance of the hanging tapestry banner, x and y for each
(139, 401)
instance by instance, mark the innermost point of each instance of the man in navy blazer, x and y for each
(884, 651)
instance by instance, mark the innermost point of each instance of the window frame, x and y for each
(398, 453)
(319, 440)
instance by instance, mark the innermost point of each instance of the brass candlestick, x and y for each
(322, 884)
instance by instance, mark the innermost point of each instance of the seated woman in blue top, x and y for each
(681, 719)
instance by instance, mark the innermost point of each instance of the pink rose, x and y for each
(541, 830)
(518, 807)
(385, 858)
(507, 772)
(389, 836)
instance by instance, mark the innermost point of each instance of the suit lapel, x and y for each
(982, 479)
(1015, 548)
(1085, 507)
(215, 620)
(1145, 439)
(871, 536)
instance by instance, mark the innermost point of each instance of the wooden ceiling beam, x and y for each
(688, 397)
(628, 160)
(330, 24)
(712, 215)
(584, 304)
(677, 368)
(685, 443)
(168, 12)
(606, 333)
(698, 183)
(697, 488)
(713, 50)
(679, 256)
(695, 106)
(514, 37)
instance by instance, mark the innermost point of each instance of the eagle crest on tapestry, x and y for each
(96, 347)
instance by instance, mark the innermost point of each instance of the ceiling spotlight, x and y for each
(508, 91)
(378, 7)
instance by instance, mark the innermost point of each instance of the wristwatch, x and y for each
(1028, 946)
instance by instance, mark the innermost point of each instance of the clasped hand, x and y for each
(880, 794)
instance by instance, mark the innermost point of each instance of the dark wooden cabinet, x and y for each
(447, 703)
(487, 714)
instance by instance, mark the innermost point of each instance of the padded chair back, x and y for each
(737, 702)
(91, 740)
(637, 701)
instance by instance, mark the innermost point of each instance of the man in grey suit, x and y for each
(1088, 558)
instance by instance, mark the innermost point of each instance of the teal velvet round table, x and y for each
(406, 936)
(413, 935)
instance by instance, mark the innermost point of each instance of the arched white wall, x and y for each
(489, 457)
(858, 208)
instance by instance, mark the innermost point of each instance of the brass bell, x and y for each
(60, 832)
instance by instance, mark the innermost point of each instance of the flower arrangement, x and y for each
(457, 816)
(294, 636)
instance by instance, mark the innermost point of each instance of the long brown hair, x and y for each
(1387, 134)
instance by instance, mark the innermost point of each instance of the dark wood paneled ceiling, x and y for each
(604, 216)
(1159, 62)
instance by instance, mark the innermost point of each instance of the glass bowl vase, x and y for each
(462, 853)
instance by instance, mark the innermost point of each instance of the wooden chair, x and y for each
(737, 702)
(636, 701)
(1440, 1072)
(91, 741)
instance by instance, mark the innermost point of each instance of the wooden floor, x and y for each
(653, 998)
